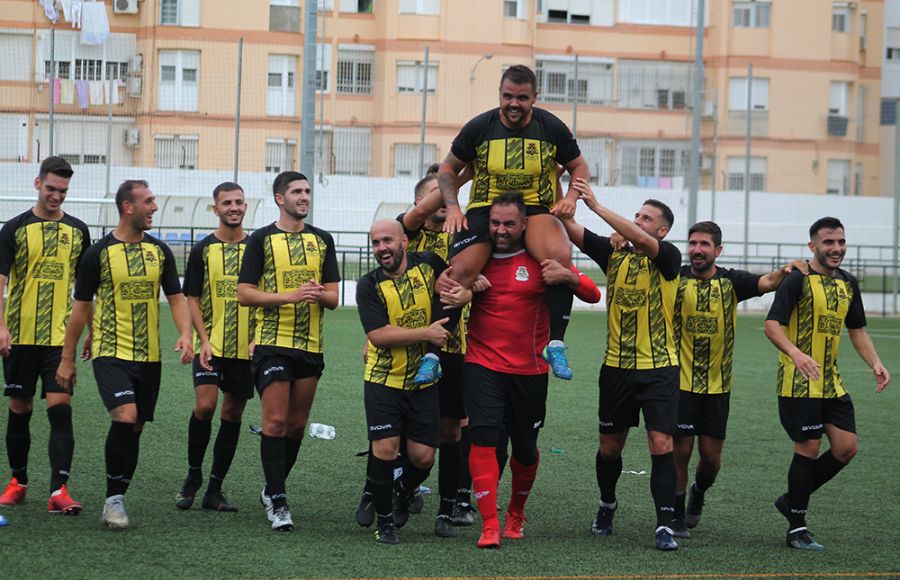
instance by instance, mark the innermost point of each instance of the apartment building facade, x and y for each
(619, 71)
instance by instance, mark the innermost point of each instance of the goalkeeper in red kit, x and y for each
(505, 377)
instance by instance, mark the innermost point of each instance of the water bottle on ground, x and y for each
(321, 431)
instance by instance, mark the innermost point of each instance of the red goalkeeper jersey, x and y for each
(509, 325)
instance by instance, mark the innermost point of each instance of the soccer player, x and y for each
(505, 376)
(805, 324)
(640, 368)
(290, 274)
(395, 302)
(222, 347)
(704, 322)
(125, 270)
(515, 147)
(39, 254)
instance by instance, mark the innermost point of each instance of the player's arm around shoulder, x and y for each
(771, 281)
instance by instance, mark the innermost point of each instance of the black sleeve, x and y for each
(597, 248)
(668, 260)
(252, 262)
(437, 263)
(85, 244)
(195, 272)
(470, 136)
(330, 270)
(88, 279)
(372, 312)
(746, 284)
(856, 315)
(786, 298)
(566, 145)
(7, 247)
(409, 233)
(169, 282)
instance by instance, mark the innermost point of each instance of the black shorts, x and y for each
(412, 413)
(624, 393)
(702, 414)
(517, 403)
(277, 363)
(27, 362)
(804, 418)
(231, 375)
(123, 381)
(477, 219)
(450, 386)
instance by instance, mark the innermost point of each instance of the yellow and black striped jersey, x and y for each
(814, 310)
(425, 240)
(276, 261)
(212, 276)
(40, 259)
(403, 302)
(523, 159)
(705, 316)
(640, 303)
(126, 278)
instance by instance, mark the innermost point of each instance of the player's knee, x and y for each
(233, 412)
(660, 443)
(204, 411)
(845, 453)
(21, 405)
(275, 425)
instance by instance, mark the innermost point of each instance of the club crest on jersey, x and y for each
(531, 150)
(522, 274)
(311, 247)
(150, 257)
(63, 239)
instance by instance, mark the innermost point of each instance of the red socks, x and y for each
(485, 475)
(522, 482)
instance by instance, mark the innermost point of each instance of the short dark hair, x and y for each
(226, 186)
(668, 216)
(283, 179)
(516, 198)
(420, 187)
(432, 169)
(711, 228)
(56, 166)
(519, 74)
(825, 223)
(126, 192)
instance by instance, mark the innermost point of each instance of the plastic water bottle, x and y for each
(321, 431)
(3, 521)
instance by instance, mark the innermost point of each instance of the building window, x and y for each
(840, 17)
(431, 7)
(17, 67)
(737, 94)
(657, 12)
(753, 14)
(568, 11)
(354, 70)
(325, 4)
(280, 86)
(176, 152)
(360, 6)
(892, 53)
(323, 67)
(654, 84)
(352, 151)
(838, 177)
(888, 112)
(76, 61)
(179, 80)
(284, 16)
(280, 155)
(735, 178)
(179, 12)
(596, 153)
(557, 82)
(838, 97)
(515, 9)
(410, 76)
(660, 165)
(406, 159)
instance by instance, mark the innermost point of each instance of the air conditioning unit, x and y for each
(133, 86)
(125, 6)
(709, 109)
(132, 138)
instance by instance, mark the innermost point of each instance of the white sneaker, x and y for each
(114, 514)
(281, 520)
(266, 502)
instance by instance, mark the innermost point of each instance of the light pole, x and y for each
(487, 56)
